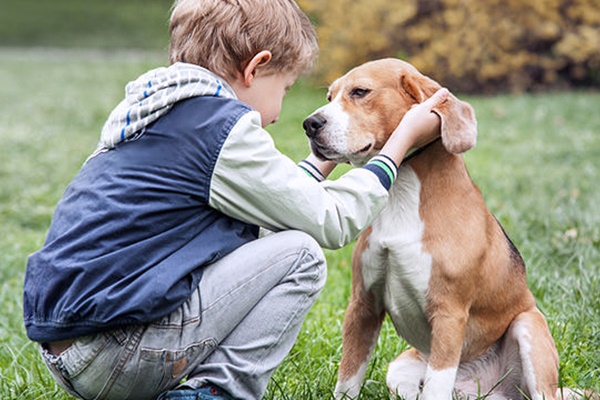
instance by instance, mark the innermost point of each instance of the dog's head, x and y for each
(367, 104)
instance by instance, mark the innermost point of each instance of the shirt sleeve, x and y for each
(253, 182)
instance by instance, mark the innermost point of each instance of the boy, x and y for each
(153, 282)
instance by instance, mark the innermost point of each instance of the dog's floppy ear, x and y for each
(459, 126)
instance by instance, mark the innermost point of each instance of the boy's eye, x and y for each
(359, 93)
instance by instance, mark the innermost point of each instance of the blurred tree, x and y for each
(469, 45)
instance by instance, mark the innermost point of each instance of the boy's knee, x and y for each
(311, 257)
(310, 244)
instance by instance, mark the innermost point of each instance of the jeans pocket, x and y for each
(165, 368)
(83, 352)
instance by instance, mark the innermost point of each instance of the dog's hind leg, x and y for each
(537, 352)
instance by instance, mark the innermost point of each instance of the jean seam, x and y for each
(57, 363)
(241, 285)
(128, 352)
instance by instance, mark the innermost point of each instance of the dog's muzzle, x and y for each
(313, 125)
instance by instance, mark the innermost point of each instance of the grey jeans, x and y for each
(232, 332)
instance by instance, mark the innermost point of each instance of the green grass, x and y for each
(537, 163)
(104, 24)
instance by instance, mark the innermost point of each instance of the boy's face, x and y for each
(266, 94)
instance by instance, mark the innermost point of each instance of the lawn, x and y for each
(537, 162)
(106, 24)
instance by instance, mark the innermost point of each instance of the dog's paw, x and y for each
(406, 386)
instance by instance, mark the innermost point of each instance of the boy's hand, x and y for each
(419, 126)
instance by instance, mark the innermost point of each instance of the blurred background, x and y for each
(473, 46)
(64, 64)
(104, 24)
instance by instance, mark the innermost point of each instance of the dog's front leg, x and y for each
(448, 320)
(362, 323)
(360, 331)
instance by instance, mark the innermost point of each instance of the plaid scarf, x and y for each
(152, 95)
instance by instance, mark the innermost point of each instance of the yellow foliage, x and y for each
(468, 45)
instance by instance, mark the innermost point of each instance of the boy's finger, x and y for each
(437, 98)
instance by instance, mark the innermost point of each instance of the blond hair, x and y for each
(223, 35)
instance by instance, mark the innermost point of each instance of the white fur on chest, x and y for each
(395, 267)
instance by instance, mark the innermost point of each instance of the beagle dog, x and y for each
(435, 260)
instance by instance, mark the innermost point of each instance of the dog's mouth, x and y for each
(325, 152)
(363, 151)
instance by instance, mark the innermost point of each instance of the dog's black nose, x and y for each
(313, 124)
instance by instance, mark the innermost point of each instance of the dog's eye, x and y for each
(329, 97)
(359, 93)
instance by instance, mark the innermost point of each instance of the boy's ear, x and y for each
(261, 59)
